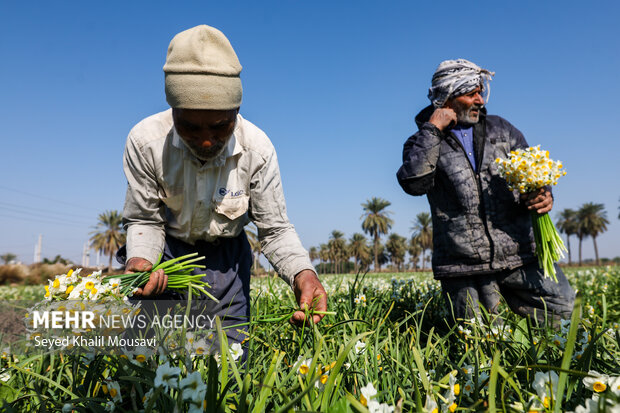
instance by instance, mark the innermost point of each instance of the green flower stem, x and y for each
(179, 271)
(549, 244)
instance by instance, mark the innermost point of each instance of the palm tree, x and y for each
(415, 250)
(324, 256)
(423, 232)
(376, 222)
(567, 224)
(8, 257)
(337, 248)
(252, 234)
(313, 253)
(397, 248)
(358, 248)
(593, 221)
(109, 234)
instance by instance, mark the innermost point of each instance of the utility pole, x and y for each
(37, 250)
(86, 256)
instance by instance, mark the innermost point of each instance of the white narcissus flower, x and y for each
(376, 407)
(360, 346)
(147, 397)
(559, 341)
(468, 387)
(431, 405)
(110, 406)
(67, 408)
(303, 367)
(468, 369)
(596, 381)
(167, 376)
(194, 389)
(236, 351)
(464, 331)
(591, 406)
(114, 390)
(614, 385)
(320, 383)
(368, 392)
(545, 385)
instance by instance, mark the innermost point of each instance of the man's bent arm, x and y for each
(420, 155)
(143, 211)
(279, 241)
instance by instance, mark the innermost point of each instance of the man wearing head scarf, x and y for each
(483, 243)
(198, 173)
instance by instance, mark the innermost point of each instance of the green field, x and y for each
(389, 330)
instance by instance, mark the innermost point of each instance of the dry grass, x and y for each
(35, 274)
(13, 274)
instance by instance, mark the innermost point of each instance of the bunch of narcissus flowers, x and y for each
(73, 286)
(527, 170)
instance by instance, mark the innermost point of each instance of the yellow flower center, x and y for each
(599, 387)
(435, 410)
(69, 273)
(457, 389)
(546, 402)
(200, 350)
(89, 285)
(141, 358)
(363, 401)
(303, 369)
(69, 289)
(56, 283)
(324, 378)
(452, 407)
(113, 392)
(105, 389)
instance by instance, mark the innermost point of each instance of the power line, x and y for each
(41, 210)
(42, 215)
(72, 204)
(63, 223)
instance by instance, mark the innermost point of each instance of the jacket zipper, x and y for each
(482, 211)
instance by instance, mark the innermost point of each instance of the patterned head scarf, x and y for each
(457, 77)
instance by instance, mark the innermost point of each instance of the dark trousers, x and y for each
(525, 289)
(228, 263)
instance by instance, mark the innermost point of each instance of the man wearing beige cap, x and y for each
(198, 173)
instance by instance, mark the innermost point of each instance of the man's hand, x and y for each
(443, 118)
(540, 200)
(156, 284)
(310, 294)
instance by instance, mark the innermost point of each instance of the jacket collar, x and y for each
(232, 148)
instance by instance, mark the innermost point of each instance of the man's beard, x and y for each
(464, 115)
(206, 154)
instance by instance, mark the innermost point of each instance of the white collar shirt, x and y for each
(171, 192)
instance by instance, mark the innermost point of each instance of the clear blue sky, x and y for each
(335, 85)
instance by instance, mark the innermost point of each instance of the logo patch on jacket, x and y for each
(224, 192)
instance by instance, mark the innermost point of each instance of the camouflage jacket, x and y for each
(479, 225)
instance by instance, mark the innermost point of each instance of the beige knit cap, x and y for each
(202, 71)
